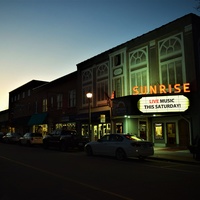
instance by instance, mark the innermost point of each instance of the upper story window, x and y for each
(59, 101)
(23, 95)
(102, 70)
(171, 62)
(138, 58)
(138, 62)
(87, 75)
(44, 105)
(51, 102)
(117, 59)
(118, 72)
(87, 82)
(72, 98)
(29, 92)
(102, 82)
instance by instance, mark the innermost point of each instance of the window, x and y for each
(87, 83)
(72, 98)
(118, 72)
(138, 61)
(171, 72)
(44, 105)
(51, 102)
(118, 86)
(87, 75)
(102, 81)
(102, 90)
(29, 92)
(117, 60)
(59, 101)
(139, 78)
(171, 61)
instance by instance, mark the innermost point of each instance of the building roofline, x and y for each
(134, 39)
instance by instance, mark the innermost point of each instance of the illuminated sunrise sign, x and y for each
(158, 104)
(161, 89)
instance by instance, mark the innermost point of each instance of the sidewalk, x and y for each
(174, 155)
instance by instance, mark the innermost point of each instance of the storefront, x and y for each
(161, 118)
(99, 125)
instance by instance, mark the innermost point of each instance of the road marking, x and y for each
(169, 166)
(68, 179)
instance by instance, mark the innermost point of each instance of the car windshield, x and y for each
(133, 137)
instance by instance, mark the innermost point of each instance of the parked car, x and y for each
(11, 138)
(64, 140)
(30, 139)
(1, 136)
(121, 146)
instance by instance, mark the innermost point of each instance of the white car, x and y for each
(31, 139)
(121, 146)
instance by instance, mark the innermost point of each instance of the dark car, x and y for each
(11, 138)
(31, 139)
(64, 140)
(1, 136)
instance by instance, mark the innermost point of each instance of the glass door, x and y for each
(171, 133)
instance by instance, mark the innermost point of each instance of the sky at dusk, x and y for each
(45, 39)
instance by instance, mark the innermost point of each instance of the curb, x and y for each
(195, 162)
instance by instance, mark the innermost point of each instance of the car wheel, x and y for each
(63, 146)
(88, 150)
(120, 154)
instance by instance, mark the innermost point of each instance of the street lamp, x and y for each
(89, 96)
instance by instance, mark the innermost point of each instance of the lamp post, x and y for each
(89, 96)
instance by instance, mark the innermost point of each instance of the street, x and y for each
(34, 173)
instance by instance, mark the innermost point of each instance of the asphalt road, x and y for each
(35, 173)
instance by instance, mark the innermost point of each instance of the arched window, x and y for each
(86, 84)
(171, 60)
(102, 81)
(138, 62)
(87, 75)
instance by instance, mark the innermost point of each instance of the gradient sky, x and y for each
(45, 39)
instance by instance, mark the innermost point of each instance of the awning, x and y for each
(37, 119)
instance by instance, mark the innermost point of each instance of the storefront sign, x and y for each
(158, 104)
(161, 89)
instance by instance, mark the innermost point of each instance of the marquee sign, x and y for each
(161, 89)
(158, 104)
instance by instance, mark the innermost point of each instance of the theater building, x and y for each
(148, 86)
